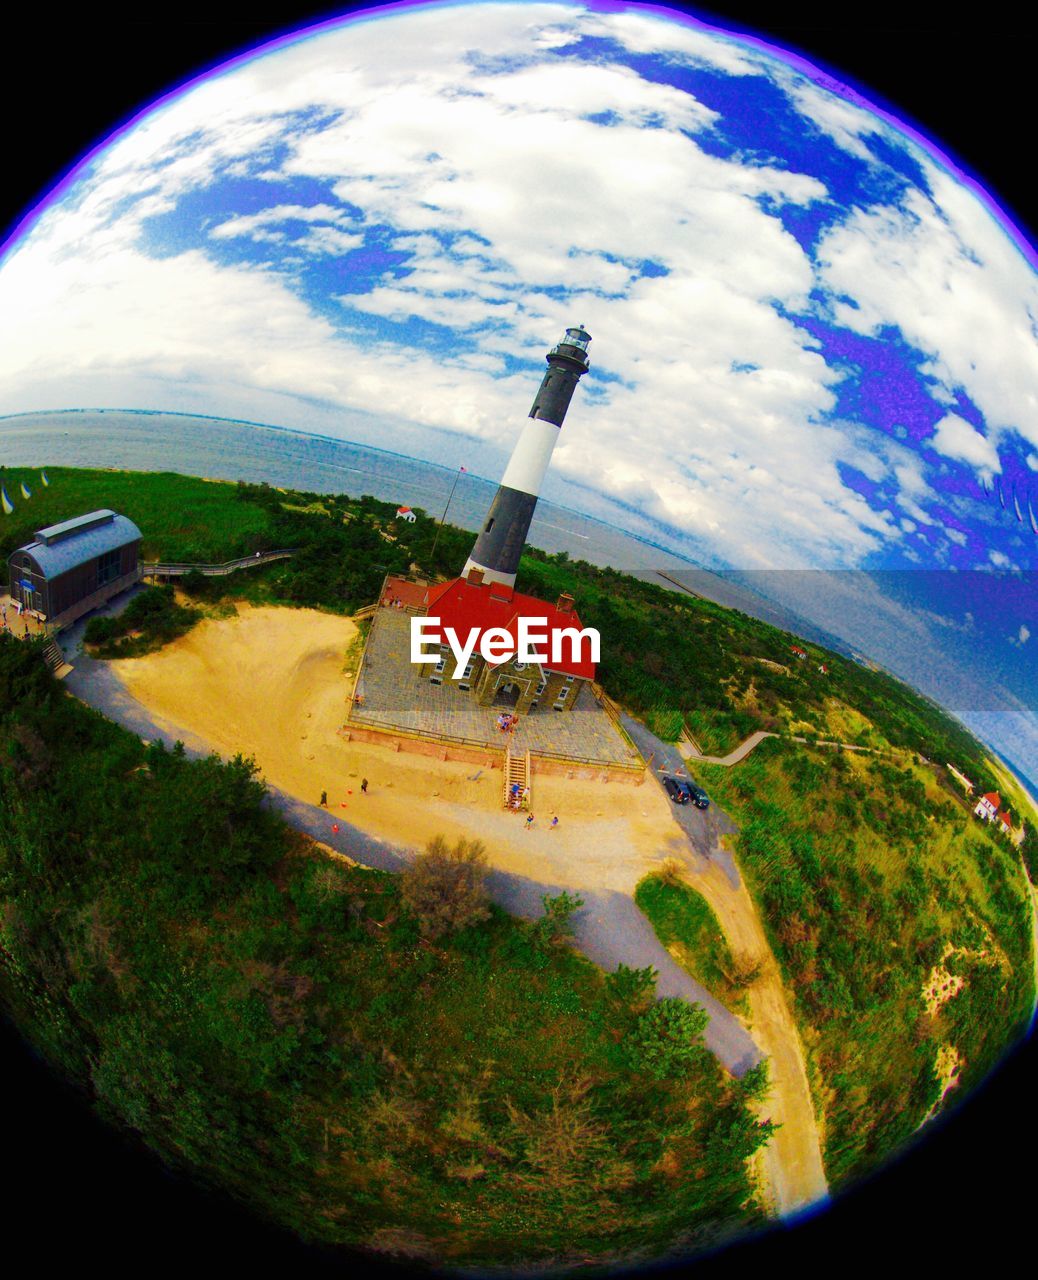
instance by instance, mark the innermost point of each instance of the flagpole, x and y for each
(444, 516)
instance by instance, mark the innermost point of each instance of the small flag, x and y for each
(43, 477)
(5, 501)
(25, 491)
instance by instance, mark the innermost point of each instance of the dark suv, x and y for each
(697, 795)
(675, 790)
(681, 791)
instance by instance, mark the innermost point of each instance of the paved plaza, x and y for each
(395, 696)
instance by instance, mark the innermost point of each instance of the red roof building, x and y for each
(467, 603)
(987, 806)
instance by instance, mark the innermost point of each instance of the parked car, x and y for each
(696, 794)
(676, 791)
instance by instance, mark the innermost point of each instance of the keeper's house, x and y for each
(76, 566)
(470, 602)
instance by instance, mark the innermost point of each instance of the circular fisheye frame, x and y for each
(516, 696)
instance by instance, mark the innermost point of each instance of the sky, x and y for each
(814, 347)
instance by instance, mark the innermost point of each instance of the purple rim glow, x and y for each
(818, 75)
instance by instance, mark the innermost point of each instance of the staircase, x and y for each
(516, 770)
(55, 660)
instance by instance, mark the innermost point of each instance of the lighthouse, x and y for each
(501, 540)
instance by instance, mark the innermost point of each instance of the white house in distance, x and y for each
(405, 513)
(987, 806)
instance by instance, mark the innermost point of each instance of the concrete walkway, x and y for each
(689, 751)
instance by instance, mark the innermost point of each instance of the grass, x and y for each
(685, 924)
(269, 1020)
(182, 519)
(864, 871)
(864, 867)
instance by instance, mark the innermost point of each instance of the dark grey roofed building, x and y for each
(76, 566)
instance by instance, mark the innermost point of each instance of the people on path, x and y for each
(529, 821)
(554, 823)
(324, 799)
(364, 785)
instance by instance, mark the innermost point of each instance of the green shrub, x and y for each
(667, 1040)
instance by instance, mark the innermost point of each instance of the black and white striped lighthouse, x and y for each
(501, 540)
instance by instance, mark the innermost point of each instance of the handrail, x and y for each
(355, 722)
(177, 568)
(389, 726)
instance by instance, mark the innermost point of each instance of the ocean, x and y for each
(222, 449)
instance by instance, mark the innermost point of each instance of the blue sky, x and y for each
(814, 346)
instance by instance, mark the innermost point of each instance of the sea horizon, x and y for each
(214, 447)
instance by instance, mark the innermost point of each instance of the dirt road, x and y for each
(792, 1162)
(793, 1159)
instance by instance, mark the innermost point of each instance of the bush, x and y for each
(557, 924)
(632, 988)
(101, 630)
(152, 617)
(668, 1038)
(445, 887)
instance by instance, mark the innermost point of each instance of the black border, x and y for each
(81, 1196)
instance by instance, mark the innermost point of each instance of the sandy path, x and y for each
(791, 1167)
(792, 1159)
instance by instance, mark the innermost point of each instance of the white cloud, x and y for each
(946, 274)
(494, 180)
(246, 224)
(956, 438)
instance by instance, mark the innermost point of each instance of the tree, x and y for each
(556, 925)
(445, 887)
(632, 989)
(756, 1083)
(668, 1038)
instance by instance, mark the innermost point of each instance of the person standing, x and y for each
(554, 823)
(364, 785)
(324, 799)
(529, 822)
